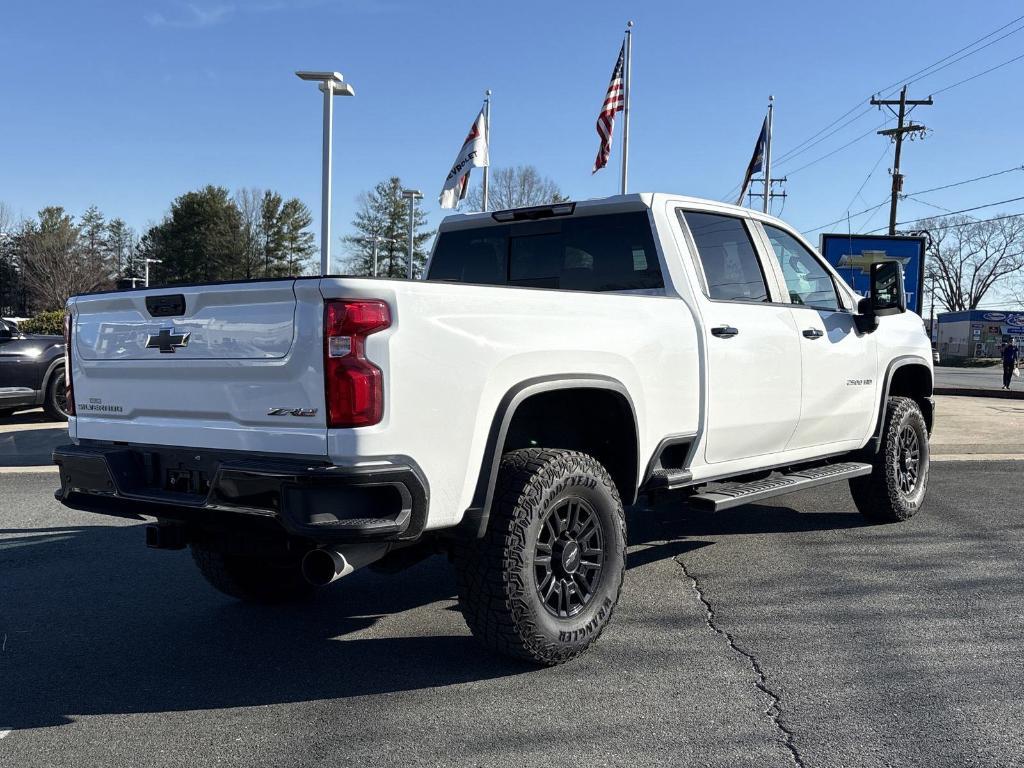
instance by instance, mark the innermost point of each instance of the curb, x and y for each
(1005, 394)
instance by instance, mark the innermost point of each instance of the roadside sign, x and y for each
(853, 255)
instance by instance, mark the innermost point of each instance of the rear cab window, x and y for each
(600, 253)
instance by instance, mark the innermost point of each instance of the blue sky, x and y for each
(128, 104)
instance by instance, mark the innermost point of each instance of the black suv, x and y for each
(31, 372)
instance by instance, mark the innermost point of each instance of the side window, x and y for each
(807, 282)
(727, 255)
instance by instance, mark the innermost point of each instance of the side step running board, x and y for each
(727, 495)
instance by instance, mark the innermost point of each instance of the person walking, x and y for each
(1010, 354)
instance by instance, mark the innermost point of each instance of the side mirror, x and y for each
(887, 296)
(5, 332)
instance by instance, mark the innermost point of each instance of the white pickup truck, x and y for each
(555, 363)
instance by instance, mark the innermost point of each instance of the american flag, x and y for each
(614, 101)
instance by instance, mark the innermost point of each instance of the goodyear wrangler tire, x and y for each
(896, 487)
(542, 582)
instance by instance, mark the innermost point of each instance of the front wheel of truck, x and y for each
(252, 578)
(896, 487)
(542, 582)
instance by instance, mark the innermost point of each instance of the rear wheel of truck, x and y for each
(542, 582)
(56, 402)
(896, 487)
(257, 579)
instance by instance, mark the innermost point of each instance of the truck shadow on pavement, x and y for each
(92, 622)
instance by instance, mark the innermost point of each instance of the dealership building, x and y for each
(977, 333)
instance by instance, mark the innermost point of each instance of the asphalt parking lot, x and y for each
(775, 635)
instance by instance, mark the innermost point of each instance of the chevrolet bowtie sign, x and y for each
(166, 341)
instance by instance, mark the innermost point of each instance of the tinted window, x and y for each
(807, 282)
(730, 263)
(589, 253)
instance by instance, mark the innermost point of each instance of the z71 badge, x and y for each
(292, 412)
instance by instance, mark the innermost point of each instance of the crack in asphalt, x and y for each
(774, 709)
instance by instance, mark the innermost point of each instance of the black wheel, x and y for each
(5, 412)
(56, 402)
(252, 578)
(896, 487)
(542, 582)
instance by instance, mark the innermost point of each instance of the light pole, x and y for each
(377, 239)
(148, 262)
(412, 195)
(331, 84)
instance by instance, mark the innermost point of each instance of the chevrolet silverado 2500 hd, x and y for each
(555, 363)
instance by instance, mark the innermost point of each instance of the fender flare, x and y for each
(57, 362)
(474, 521)
(897, 362)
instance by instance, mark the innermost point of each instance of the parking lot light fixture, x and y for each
(331, 84)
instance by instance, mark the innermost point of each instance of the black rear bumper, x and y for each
(308, 498)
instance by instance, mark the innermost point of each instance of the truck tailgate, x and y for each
(216, 366)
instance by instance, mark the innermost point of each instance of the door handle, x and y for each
(813, 333)
(724, 331)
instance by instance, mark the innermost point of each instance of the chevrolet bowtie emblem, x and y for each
(166, 341)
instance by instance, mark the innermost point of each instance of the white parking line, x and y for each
(977, 457)
(4, 733)
(43, 469)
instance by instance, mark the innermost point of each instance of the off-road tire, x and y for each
(53, 403)
(498, 573)
(880, 496)
(251, 578)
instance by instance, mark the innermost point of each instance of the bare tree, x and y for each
(54, 267)
(250, 205)
(516, 188)
(968, 257)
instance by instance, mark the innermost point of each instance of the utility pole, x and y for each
(897, 134)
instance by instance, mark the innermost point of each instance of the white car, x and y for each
(556, 362)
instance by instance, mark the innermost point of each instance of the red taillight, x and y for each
(68, 324)
(353, 386)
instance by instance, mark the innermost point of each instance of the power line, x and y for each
(839, 149)
(976, 50)
(866, 180)
(967, 210)
(847, 216)
(910, 194)
(887, 89)
(972, 77)
(967, 181)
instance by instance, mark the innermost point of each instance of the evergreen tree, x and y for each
(199, 240)
(297, 241)
(93, 243)
(383, 212)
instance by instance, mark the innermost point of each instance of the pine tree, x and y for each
(93, 243)
(298, 242)
(383, 212)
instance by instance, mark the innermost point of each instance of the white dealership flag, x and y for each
(472, 155)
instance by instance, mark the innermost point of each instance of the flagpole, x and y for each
(767, 202)
(625, 108)
(487, 139)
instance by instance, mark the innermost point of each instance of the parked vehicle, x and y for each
(556, 362)
(31, 372)
(935, 356)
